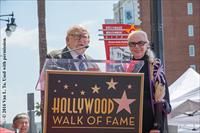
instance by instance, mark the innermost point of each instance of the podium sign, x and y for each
(88, 102)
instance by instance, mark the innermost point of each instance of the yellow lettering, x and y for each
(99, 119)
(72, 120)
(63, 105)
(57, 119)
(91, 120)
(88, 105)
(108, 120)
(68, 106)
(104, 107)
(80, 105)
(56, 107)
(115, 122)
(124, 121)
(110, 106)
(79, 120)
(66, 120)
(74, 106)
(97, 106)
(131, 121)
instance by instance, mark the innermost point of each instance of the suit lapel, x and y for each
(66, 54)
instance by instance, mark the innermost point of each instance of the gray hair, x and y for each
(75, 28)
(149, 52)
(20, 116)
(138, 32)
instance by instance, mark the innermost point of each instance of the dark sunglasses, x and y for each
(140, 43)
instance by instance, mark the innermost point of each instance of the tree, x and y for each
(42, 32)
(37, 109)
(42, 43)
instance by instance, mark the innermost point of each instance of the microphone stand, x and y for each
(68, 51)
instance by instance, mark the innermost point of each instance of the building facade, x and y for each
(125, 12)
(181, 36)
(181, 31)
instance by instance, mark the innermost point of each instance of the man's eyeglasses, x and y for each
(78, 36)
(140, 43)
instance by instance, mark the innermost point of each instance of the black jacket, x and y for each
(63, 63)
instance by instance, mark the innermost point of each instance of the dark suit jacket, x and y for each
(60, 54)
(63, 54)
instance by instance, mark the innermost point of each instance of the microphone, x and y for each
(16, 130)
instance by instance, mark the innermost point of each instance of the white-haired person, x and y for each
(21, 123)
(155, 84)
(77, 41)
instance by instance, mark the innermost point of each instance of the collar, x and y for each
(145, 57)
(74, 54)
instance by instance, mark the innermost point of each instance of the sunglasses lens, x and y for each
(140, 43)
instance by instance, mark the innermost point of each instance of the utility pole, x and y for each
(157, 28)
(31, 112)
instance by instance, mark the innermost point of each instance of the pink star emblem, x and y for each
(124, 103)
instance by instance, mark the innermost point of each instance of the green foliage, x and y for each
(37, 109)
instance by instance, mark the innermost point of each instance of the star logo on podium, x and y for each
(95, 89)
(124, 103)
(111, 84)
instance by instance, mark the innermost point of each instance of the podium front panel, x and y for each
(88, 102)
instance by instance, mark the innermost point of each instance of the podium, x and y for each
(107, 97)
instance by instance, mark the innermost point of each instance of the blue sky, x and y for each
(22, 45)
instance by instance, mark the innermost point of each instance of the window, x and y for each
(191, 50)
(119, 55)
(189, 9)
(193, 67)
(190, 30)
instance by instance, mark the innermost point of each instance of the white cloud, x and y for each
(29, 39)
(92, 26)
(97, 48)
(89, 23)
(24, 38)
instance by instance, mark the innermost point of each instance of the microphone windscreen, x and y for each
(87, 46)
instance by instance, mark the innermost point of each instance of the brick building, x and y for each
(181, 32)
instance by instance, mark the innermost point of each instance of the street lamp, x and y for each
(11, 25)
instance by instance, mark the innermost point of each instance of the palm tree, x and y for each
(42, 43)
(42, 32)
